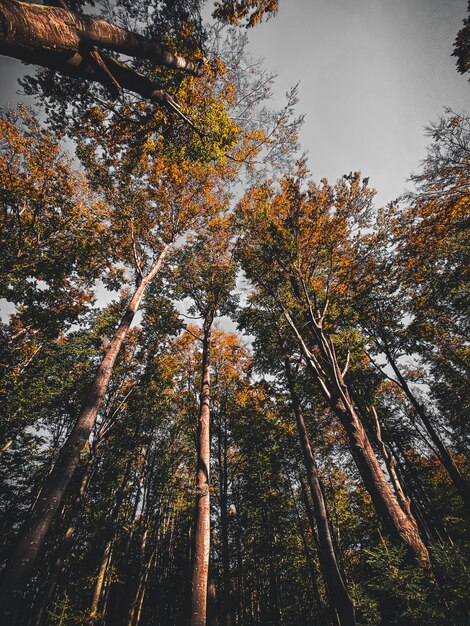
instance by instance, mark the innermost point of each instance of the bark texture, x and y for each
(202, 533)
(65, 41)
(36, 27)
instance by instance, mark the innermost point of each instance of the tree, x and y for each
(283, 360)
(296, 247)
(173, 202)
(55, 242)
(432, 240)
(382, 306)
(206, 275)
(462, 46)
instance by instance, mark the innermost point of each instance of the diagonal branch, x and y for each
(34, 27)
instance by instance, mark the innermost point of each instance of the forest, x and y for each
(232, 392)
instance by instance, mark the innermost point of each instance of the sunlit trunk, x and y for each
(35, 28)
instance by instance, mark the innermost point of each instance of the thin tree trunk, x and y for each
(444, 456)
(308, 556)
(223, 495)
(202, 533)
(100, 582)
(5, 447)
(212, 619)
(34, 534)
(335, 392)
(137, 602)
(420, 503)
(390, 463)
(340, 600)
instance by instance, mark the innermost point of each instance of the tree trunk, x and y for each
(212, 619)
(444, 456)
(34, 534)
(390, 463)
(340, 601)
(223, 496)
(335, 392)
(64, 547)
(64, 41)
(100, 582)
(320, 608)
(202, 533)
(34, 28)
(395, 519)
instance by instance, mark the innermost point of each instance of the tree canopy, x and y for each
(233, 393)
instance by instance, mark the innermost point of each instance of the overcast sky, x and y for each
(372, 74)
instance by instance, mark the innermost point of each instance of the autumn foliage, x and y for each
(231, 393)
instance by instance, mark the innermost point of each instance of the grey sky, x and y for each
(372, 74)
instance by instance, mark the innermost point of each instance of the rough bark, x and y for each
(64, 41)
(330, 380)
(390, 463)
(340, 601)
(34, 534)
(202, 532)
(27, 28)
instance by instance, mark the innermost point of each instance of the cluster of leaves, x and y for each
(247, 13)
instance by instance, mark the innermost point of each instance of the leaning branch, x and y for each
(32, 28)
(64, 41)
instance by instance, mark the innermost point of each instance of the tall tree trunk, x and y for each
(64, 547)
(202, 522)
(320, 609)
(336, 394)
(67, 541)
(444, 455)
(340, 601)
(223, 496)
(106, 558)
(390, 463)
(32, 537)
